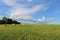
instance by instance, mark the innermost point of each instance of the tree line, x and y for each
(6, 20)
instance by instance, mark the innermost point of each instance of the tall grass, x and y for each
(30, 32)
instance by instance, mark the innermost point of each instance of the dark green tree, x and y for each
(6, 20)
(9, 21)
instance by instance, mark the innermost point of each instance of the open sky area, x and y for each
(31, 11)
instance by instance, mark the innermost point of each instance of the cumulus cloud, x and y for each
(42, 20)
(45, 20)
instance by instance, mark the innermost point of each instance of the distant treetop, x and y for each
(6, 20)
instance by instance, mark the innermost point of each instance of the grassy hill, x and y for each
(30, 32)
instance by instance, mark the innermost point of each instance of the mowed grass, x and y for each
(30, 32)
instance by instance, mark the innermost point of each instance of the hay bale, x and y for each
(13, 24)
(22, 24)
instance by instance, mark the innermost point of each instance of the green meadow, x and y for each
(30, 32)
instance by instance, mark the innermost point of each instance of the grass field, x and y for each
(30, 32)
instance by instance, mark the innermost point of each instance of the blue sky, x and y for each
(32, 11)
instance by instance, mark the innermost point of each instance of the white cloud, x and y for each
(1, 17)
(45, 8)
(42, 20)
(10, 2)
(21, 12)
(45, 20)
